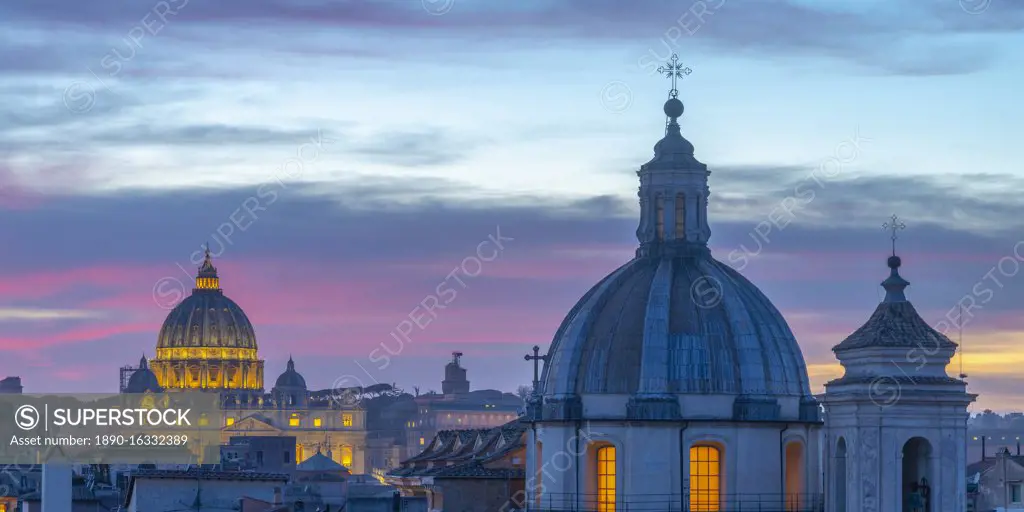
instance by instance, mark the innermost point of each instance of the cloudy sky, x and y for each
(342, 157)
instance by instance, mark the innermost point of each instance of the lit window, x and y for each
(227, 421)
(346, 456)
(298, 454)
(423, 441)
(346, 420)
(293, 421)
(705, 478)
(317, 422)
(606, 479)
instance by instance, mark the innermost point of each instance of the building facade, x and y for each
(457, 408)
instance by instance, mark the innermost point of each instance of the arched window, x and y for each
(680, 216)
(346, 456)
(840, 472)
(705, 478)
(794, 475)
(660, 216)
(606, 479)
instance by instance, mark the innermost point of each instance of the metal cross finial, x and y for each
(894, 225)
(536, 358)
(674, 70)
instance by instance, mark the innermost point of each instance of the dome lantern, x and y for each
(206, 278)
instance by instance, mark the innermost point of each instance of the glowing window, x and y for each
(346, 420)
(299, 454)
(606, 479)
(423, 441)
(317, 422)
(705, 478)
(346, 456)
(293, 421)
(229, 421)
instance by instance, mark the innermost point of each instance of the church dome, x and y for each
(674, 322)
(290, 378)
(687, 319)
(143, 380)
(207, 318)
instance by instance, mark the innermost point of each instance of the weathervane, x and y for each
(674, 70)
(894, 225)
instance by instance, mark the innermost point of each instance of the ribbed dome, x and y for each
(682, 325)
(207, 318)
(143, 380)
(290, 378)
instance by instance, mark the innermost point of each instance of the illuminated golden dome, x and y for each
(207, 340)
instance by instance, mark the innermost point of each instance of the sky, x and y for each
(343, 158)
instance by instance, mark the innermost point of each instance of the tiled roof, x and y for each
(895, 325)
(470, 459)
(476, 470)
(209, 474)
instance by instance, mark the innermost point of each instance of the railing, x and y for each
(553, 502)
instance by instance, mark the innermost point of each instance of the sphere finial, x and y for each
(673, 108)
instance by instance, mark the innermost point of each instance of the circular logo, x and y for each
(26, 417)
(345, 391)
(706, 292)
(437, 7)
(974, 6)
(168, 292)
(884, 391)
(616, 97)
(79, 97)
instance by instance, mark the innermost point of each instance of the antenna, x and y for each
(960, 340)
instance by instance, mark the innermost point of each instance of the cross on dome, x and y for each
(674, 70)
(894, 225)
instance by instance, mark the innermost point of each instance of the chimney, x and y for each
(277, 496)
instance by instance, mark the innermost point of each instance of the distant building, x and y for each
(468, 470)
(11, 385)
(271, 454)
(457, 408)
(207, 343)
(996, 483)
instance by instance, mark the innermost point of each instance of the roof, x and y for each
(290, 378)
(990, 462)
(319, 462)
(467, 454)
(895, 323)
(207, 318)
(688, 324)
(208, 474)
(194, 473)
